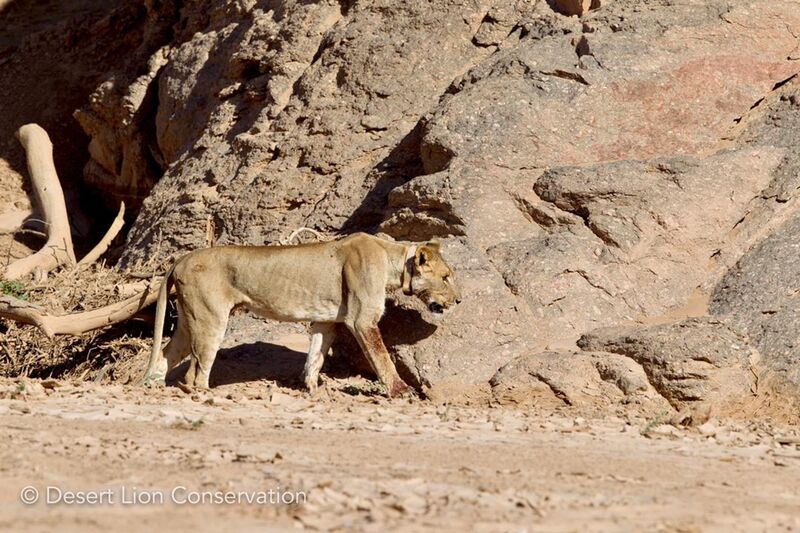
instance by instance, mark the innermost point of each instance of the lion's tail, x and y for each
(158, 333)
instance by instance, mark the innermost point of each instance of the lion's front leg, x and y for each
(371, 342)
(366, 286)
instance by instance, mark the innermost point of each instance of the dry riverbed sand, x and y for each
(361, 462)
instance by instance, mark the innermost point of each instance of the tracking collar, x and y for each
(408, 269)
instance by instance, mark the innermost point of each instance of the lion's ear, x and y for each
(423, 255)
(434, 245)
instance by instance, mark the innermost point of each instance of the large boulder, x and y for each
(580, 379)
(697, 364)
(761, 297)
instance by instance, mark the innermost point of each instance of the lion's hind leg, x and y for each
(173, 353)
(159, 368)
(205, 337)
(322, 336)
(177, 348)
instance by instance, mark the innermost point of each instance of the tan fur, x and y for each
(343, 281)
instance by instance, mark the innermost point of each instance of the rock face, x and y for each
(760, 292)
(582, 172)
(700, 366)
(614, 229)
(688, 362)
(284, 114)
(572, 378)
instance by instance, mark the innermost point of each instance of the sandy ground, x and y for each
(361, 462)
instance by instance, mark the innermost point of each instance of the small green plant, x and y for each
(185, 422)
(371, 388)
(12, 288)
(654, 423)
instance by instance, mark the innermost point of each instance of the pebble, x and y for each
(708, 429)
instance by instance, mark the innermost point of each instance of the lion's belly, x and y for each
(292, 292)
(310, 309)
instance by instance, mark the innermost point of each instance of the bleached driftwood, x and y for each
(58, 250)
(76, 323)
(298, 231)
(101, 247)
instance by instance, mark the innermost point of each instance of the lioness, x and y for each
(323, 283)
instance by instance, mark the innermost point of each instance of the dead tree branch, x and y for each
(76, 323)
(105, 242)
(58, 250)
(297, 232)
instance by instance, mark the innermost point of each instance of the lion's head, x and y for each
(432, 279)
